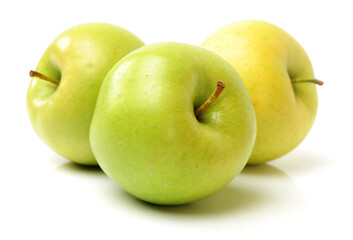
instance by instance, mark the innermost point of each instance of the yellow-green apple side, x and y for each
(279, 78)
(62, 94)
(150, 138)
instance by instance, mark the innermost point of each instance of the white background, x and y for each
(306, 194)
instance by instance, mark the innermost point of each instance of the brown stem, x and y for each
(316, 81)
(43, 77)
(214, 96)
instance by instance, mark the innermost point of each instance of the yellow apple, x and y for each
(279, 78)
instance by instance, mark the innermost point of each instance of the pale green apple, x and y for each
(279, 78)
(64, 88)
(145, 133)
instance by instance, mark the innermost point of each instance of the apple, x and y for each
(155, 131)
(279, 78)
(65, 85)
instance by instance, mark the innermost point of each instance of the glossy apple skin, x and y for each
(146, 137)
(268, 58)
(80, 58)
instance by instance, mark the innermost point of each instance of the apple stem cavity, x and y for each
(43, 77)
(214, 96)
(316, 81)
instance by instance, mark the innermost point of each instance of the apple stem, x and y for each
(43, 77)
(214, 96)
(316, 81)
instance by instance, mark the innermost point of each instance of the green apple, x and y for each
(279, 78)
(64, 88)
(149, 132)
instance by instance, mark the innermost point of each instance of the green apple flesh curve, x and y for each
(279, 78)
(155, 132)
(65, 85)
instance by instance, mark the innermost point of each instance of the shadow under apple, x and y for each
(301, 161)
(258, 188)
(75, 168)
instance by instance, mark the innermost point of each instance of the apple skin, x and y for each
(80, 58)
(268, 59)
(146, 137)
